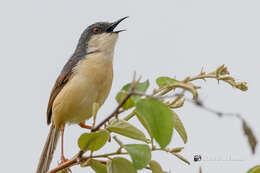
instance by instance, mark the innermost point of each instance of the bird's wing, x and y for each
(61, 81)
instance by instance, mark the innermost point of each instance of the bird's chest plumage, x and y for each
(91, 82)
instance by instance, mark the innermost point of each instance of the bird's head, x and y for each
(100, 37)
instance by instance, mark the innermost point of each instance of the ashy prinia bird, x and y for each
(85, 79)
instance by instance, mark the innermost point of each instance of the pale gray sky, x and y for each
(173, 38)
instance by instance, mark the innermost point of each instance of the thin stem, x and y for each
(110, 154)
(119, 142)
(64, 165)
(129, 116)
(116, 112)
(202, 77)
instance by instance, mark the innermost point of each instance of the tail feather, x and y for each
(48, 150)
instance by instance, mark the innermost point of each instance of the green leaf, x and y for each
(140, 154)
(120, 165)
(128, 104)
(140, 87)
(98, 167)
(144, 123)
(93, 141)
(124, 128)
(179, 127)
(255, 169)
(159, 118)
(155, 167)
(163, 81)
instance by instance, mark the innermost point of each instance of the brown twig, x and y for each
(66, 164)
(246, 128)
(114, 113)
(218, 113)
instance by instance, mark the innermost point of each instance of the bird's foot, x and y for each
(84, 126)
(63, 160)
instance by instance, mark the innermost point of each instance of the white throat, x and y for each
(103, 44)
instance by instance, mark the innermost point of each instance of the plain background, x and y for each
(164, 38)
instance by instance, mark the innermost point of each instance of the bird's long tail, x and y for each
(48, 150)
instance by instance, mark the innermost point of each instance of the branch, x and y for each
(114, 113)
(200, 104)
(156, 96)
(246, 128)
(66, 164)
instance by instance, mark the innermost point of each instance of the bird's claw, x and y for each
(63, 160)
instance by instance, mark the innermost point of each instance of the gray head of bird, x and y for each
(99, 37)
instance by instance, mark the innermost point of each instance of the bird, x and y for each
(85, 79)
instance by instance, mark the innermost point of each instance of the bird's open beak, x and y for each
(114, 24)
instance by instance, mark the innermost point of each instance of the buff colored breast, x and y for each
(91, 82)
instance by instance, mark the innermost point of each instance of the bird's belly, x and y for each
(74, 103)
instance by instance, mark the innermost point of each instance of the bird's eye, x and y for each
(97, 30)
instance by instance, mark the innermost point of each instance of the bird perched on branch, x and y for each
(84, 80)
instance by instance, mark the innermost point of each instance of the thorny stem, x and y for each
(203, 77)
(212, 76)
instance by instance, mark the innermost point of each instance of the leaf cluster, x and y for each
(156, 112)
